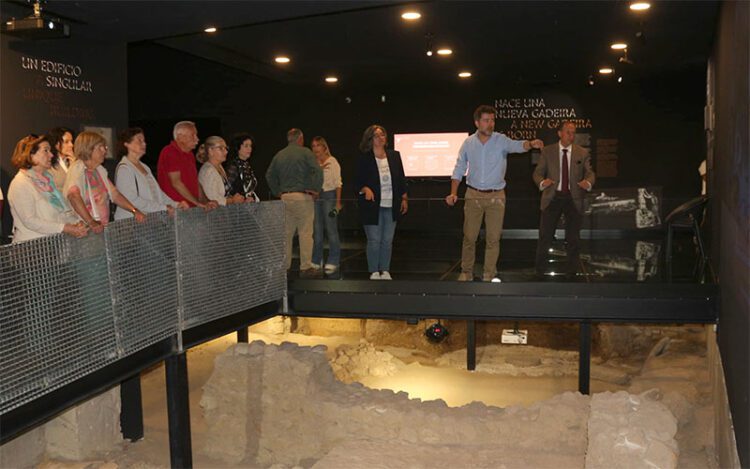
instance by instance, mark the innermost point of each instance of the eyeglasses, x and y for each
(223, 147)
(101, 145)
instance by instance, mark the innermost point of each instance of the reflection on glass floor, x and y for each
(417, 256)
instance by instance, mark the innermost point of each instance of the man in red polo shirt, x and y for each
(176, 169)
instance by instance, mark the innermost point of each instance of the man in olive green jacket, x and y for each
(295, 176)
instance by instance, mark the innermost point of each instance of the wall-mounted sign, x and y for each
(59, 75)
(535, 117)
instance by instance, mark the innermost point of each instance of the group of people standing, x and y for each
(62, 186)
(299, 177)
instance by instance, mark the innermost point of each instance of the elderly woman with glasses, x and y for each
(37, 206)
(212, 178)
(88, 187)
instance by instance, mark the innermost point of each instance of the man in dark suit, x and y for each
(564, 176)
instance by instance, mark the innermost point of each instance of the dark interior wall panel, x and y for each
(656, 118)
(731, 202)
(60, 82)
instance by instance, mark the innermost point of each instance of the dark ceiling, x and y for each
(366, 42)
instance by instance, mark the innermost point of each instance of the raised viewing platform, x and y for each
(82, 315)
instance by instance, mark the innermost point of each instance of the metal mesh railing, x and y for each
(230, 259)
(69, 307)
(143, 281)
(56, 323)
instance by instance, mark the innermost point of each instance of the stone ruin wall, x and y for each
(267, 404)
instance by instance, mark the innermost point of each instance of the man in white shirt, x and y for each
(564, 176)
(483, 157)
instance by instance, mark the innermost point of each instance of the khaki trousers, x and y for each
(299, 217)
(491, 207)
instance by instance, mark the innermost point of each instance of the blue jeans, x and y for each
(328, 225)
(380, 241)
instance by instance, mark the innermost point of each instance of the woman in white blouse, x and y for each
(134, 179)
(212, 178)
(327, 209)
(37, 206)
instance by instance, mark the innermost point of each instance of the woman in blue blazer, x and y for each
(383, 198)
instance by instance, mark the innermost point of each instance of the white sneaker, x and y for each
(385, 276)
(330, 268)
(375, 276)
(315, 266)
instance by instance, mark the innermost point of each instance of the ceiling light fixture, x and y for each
(625, 59)
(590, 82)
(606, 70)
(444, 51)
(282, 59)
(428, 37)
(618, 46)
(411, 15)
(210, 29)
(331, 79)
(640, 6)
(619, 79)
(464, 75)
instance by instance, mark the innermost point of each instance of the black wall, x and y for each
(32, 103)
(656, 119)
(729, 186)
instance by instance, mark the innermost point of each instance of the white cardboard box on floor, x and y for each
(511, 336)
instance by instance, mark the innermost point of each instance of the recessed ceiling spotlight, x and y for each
(619, 79)
(640, 6)
(282, 59)
(210, 29)
(331, 79)
(618, 46)
(411, 15)
(606, 70)
(444, 51)
(429, 53)
(464, 75)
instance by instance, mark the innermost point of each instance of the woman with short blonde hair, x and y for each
(88, 187)
(327, 209)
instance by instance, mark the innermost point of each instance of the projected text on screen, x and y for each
(429, 155)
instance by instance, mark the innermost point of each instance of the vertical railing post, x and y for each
(471, 345)
(584, 357)
(242, 335)
(131, 408)
(178, 411)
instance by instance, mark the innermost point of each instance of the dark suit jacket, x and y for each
(549, 167)
(368, 175)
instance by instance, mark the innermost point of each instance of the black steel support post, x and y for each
(178, 412)
(471, 345)
(131, 408)
(584, 358)
(242, 335)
